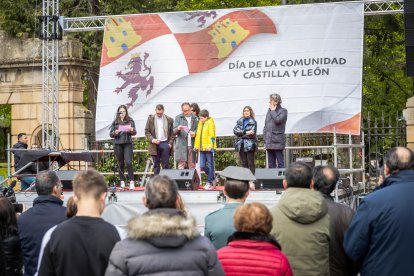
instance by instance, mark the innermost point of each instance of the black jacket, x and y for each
(340, 216)
(79, 246)
(18, 155)
(13, 262)
(123, 137)
(47, 211)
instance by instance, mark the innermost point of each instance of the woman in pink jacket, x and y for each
(251, 250)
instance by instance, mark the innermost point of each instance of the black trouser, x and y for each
(123, 152)
(247, 159)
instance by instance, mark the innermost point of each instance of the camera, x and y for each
(8, 193)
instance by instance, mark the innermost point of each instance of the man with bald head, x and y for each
(380, 237)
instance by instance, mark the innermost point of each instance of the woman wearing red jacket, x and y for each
(251, 250)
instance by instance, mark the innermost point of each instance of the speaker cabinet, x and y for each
(66, 178)
(186, 179)
(269, 178)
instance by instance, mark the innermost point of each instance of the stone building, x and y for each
(21, 87)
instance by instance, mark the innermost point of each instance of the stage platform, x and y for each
(129, 203)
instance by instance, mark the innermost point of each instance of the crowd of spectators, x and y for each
(305, 233)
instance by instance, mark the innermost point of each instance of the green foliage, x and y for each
(385, 86)
(185, 5)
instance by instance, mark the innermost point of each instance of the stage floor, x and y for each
(129, 203)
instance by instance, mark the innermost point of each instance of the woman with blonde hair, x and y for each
(251, 250)
(246, 143)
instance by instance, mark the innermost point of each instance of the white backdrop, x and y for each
(310, 54)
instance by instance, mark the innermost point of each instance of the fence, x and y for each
(359, 158)
(381, 134)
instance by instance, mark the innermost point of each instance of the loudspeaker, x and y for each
(308, 160)
(66, 178)
(269, 178)
(186, 179)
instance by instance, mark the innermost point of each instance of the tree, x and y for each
(385, 86)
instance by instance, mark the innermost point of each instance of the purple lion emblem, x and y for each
(202, 15)
(145, 83)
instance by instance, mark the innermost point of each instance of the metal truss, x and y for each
(383, 7)
(97, 23)
(83, 24)
(49, 33)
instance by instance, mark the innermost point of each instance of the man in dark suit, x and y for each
(159, 132)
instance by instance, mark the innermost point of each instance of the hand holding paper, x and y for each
(185, 128)
(124, 128)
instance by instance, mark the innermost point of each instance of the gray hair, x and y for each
(276, 97)
(161, 192)
(45, 181)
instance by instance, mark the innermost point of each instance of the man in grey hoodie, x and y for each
(301, 223)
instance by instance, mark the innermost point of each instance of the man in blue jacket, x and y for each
(380, 236)
(47, 211)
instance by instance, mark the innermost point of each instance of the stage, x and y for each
(129, 203)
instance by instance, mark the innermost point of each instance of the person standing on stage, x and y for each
(122, 130)
(246, 144)
(19, 149)
(185, 127)
(159, 132)
(195, 109)
(205, 143)
(274, 132)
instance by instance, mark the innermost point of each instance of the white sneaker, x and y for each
(122, 184)
(208, 186)
(131, 185)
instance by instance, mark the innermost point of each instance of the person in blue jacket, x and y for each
(380, 237)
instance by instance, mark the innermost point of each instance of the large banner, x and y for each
(226, 59)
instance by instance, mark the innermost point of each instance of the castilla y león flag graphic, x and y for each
(227, 59)
(209, 47)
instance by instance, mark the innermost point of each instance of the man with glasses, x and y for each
(47, 211)
(185, 128)
(159, 132)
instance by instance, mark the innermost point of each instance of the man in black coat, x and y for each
(380, 236)
(20, 148)
(47, 211)
(274, 132)
(340, 216)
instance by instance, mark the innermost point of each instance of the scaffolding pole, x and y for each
(49, 34)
